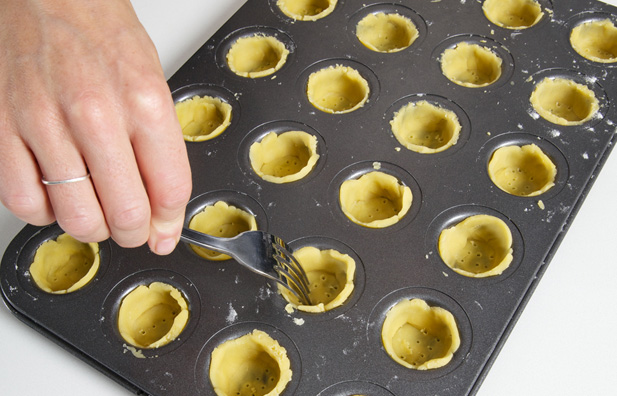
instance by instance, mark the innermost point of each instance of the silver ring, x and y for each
(73, 180)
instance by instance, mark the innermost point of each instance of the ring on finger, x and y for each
(73, 180)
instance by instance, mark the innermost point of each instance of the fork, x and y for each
(262, 253)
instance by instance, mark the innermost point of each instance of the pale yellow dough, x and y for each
(251, 365)
(152, 316)
(221, 220)
(257, 56)
(479, 246)
(524, 171)
(513, 14)
(284, 158)
(386, 33)
(337, 89)
(331, 278)
(564, 102)
(596, 40)
(418, 336)
(203, 118)
(375, 200)
(64, 265)
(306, 10)
(425, 128)
(471, 65)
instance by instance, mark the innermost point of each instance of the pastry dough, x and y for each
(306, 10)
(203, 118)
(251, 365)
(152, 316)
(524, 171)
(223, 221)
(257, 56)
(387, 33)
(375, 199)
(513, 14)
(477, 247)
(471, 65)
(425, 128)
(331, 278)
(284, 158)
(64, 265)
(337, 89)
(564, 102)
(596, 40)
(418, 336)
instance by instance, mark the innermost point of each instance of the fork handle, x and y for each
(220, 245)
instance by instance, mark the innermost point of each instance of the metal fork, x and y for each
(263, 253)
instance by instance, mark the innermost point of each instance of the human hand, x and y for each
(82, 90)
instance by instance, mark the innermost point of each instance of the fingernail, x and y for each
(165, 246)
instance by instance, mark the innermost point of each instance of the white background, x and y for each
(565, 343)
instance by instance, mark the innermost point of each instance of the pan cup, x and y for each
(64, 265)
(266, 369)
(257, 55)
(331, 276)
(306, 10)
(471, 65)
(563, 101)
(596, 39)
(203, 117)
(513, 14)
(425, 127)
(337, 89)
(285, 157)
(152, 316)
(479, 246)
(524, 171)
(375, 199)
(220, 220)
(418, 336)
(386, 32)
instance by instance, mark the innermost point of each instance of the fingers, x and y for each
(21, 191)
(161, 155)
(83, 96)
(100, 136)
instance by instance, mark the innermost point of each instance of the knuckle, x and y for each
(130, 218)
(88, 105)
(150, 101)
(83, 226)
(27, 208)
(175, 195)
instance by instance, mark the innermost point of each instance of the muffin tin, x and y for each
(340, 352)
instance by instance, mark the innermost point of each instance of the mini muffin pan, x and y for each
(340, 352)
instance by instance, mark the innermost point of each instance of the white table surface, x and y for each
(564, 343)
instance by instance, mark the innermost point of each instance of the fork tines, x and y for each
(291, 272)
